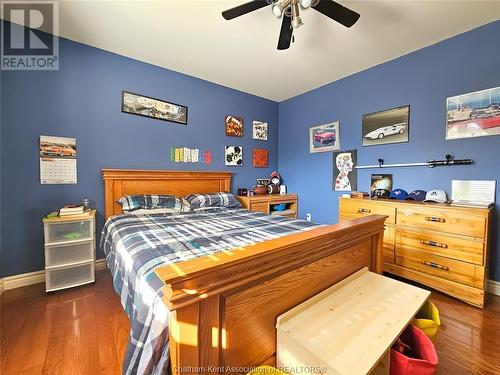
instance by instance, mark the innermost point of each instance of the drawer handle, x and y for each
(364, 211)
(435, 219)
(434, 243)
(435, 265)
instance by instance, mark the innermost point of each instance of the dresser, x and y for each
(267, 203)
(69, 251)
(441, 246)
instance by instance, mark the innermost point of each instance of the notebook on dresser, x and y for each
(473, 193)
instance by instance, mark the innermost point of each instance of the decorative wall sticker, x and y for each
(234, 126)
(260, 158)
(233, 156)
(344, 172)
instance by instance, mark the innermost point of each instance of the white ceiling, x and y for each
(191, 37)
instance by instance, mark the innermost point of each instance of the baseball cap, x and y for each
(438, 196)
(399, 194)
(380, 193)
(416, 195)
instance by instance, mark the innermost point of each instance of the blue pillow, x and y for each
(221, 199)
(149, 201)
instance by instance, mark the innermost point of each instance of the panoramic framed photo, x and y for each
(234, 126)
(476, 114)
(233, 156)
(146, 106)
(259, 130)
(324, 138)
(385, 127)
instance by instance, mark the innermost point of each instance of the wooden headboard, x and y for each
(120, 182)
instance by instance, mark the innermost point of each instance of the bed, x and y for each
(222, 306)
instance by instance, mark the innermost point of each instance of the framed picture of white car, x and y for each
(388, 126)
(147, 106)
(324, 138)
(476, 114)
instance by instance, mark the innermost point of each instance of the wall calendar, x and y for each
(57, 160)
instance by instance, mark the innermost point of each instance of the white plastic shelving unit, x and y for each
(69, 251)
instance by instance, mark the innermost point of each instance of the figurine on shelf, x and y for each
(274, 187)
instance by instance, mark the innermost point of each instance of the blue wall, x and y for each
(83, 100)
(423, 79)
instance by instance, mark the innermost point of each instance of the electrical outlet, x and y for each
(308, 217)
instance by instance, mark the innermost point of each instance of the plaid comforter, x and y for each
(135, 245)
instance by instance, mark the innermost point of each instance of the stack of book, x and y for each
(359, 194)
(71, 209)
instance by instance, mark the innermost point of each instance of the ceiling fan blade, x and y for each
(244, 9)
(285, 33)
(337, 12)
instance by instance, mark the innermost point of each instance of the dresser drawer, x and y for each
(65, 232)
(442, 220)
(277, 199)
(388, 245)
(454, 270)
(445, 245)
(60, 255)
(259, 207)
(354, 208)
(63, 278)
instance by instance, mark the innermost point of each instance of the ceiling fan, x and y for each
(289, 10)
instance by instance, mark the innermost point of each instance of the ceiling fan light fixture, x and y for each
(280, 6)
(306, 3)
(296, 21)
(289, 13)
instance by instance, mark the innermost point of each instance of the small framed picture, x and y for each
(260, 158)
(345, 175)
(234, 126)
(233, 156)
(324, 138)
(388, 126)
(259, 130)
(476, 114)
(380, 181)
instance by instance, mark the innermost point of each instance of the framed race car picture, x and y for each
(323, 138)
(476, 114)
(388, 126)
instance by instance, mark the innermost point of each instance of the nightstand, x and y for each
(69, 251)
(266, 203)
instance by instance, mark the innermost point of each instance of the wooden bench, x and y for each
(349, 328)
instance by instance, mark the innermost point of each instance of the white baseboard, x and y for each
(100, 264)
(494, 287)
(24, 279)
(30, 278)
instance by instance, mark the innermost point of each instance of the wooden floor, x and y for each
(84, 331)
(77, 331)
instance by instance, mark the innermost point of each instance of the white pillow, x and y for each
(152, 211)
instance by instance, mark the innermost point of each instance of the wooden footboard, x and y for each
(224, 306)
